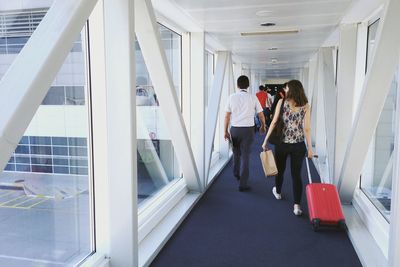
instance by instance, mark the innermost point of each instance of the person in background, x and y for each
(240, 109)
(280, 94)
(270, 100)
(270, 97)
(264, 102)
(296, 130)
(262, 96)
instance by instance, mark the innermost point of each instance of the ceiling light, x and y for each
(263, 13)
(272, 32)
(273, 48)
(268, 24)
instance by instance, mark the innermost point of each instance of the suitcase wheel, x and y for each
(315, 224)
(342, 225)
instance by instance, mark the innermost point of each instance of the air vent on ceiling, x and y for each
(272, 32)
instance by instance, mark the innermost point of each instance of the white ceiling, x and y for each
(226, 19)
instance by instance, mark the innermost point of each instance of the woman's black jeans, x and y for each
(297, 152)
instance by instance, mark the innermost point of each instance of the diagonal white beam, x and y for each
(386, 54)
(214, 105)
(38, 63)
(149, 39)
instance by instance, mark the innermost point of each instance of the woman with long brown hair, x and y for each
(296, 129)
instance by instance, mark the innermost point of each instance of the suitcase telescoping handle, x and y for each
(308, 169)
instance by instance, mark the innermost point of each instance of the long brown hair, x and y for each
(296, 93)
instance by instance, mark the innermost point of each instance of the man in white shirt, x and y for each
(240, 109)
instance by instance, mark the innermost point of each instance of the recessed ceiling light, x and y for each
(268, 24)
(263, 13)
(273, 48)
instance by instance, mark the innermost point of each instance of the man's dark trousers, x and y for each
(242, 138)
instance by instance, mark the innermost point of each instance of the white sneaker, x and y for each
(277, 196)
(297, 210)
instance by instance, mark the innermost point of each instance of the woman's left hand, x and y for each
(310, 153)
(264, 146)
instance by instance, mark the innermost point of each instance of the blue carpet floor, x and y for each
(232, 228)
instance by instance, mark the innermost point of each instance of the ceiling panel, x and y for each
(274, 12)
(281, 22)
(224, 20)
(191, 5)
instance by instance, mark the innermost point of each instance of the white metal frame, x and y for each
(197, 101)
(121, 104)
(330, 96)
(213, 107)
(373, 220)
(394, 231)
(386, 54)
(313, 95)
(99, 139)
(345, 92)
(320, 135)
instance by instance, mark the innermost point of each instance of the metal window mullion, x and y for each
(121, 144)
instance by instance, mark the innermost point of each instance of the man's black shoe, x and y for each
(244, 188)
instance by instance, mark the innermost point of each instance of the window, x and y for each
(157, 164)
(372, 29)
(209, 78)
(172, 43)
(209, 74)
(376, 181)
(46, 213)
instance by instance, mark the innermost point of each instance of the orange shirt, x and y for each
(262, 98)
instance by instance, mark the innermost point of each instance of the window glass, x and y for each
(156, 160)
(18, 20)
(172, 45)
(372, 29)
(44, 189)
(376, 181)
(209, 74)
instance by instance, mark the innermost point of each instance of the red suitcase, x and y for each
(324, 205)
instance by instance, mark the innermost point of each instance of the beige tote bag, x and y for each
(268, 163)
